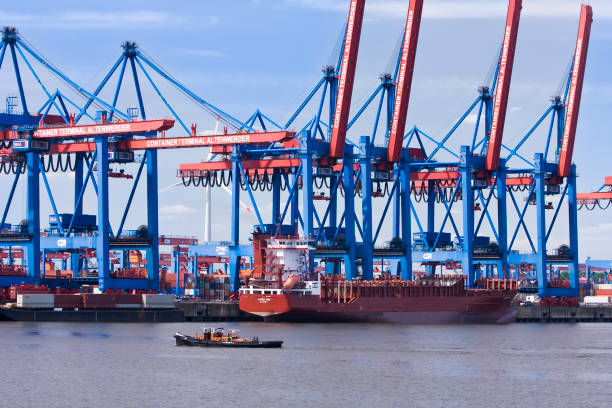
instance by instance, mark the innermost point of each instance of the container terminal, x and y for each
(449, 212)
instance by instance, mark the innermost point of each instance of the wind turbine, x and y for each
(208, 192)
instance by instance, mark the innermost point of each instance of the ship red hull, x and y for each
(408, 310)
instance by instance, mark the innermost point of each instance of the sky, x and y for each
(245, 55)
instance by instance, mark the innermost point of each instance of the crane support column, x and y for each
(333, 267)
(502, 89)
(152, 219)
(347, 77)
(406, 261)
(276, 190)
(502, 219)
(431, 218)
(307, 190)
(348, 185)
(295, 202)
(397, 218)
(75, 259)
(176, 267)
(404, 80)
(467, 263)
(333, 201)
(574, 271)
(78, 182)
(575, 91)
(365, 163)
(541, 224)
(103, 239)
(33, 216)
(234, 260)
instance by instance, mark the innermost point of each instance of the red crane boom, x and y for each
(177, 142)
(503, 84)
(404, 80)
(347, 76)
(115, 128)
(575, 91)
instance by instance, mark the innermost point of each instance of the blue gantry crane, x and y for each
(477, 178)
(336, 192)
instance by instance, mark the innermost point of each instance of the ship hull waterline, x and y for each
(422, 310)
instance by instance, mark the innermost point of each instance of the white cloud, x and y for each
(595, 232)
(471, 118)
(93, 20)
(473, 9)
(60, 176)
(200, 53)
(177, 209)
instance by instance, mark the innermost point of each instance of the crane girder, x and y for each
(575, 91)
(347, 77)
(502, 88)
(404, 80)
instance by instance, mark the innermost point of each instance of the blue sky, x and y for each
(267, 54)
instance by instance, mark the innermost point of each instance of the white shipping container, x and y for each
(37, 300)
(596, 300)
(158, 301)
(603, 286)
(189, 292)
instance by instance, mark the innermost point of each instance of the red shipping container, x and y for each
(67, 301)
(603, 292)
(98, 300)
(27, 290)
(126, 299)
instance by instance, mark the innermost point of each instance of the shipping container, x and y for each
(35, 300)
(128, 299)
(68, 301)
(98, 300)
(26, 289)
(81, 220)
(596, 300)
(151, 301)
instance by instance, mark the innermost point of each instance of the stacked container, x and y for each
(603, 289)
(95, 301)
(26, 290)
(214, 287)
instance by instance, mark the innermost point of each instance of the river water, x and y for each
(334, 365)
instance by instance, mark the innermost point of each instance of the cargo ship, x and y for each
(38, 304)
(283, 287)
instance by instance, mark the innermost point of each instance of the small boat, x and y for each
(220, 338)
